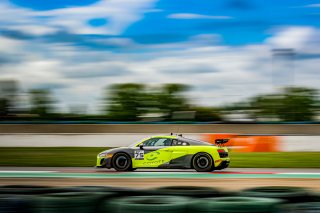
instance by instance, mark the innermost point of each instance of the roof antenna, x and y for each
(178, 127)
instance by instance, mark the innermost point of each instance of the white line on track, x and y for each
(10, 171)
(299, 173)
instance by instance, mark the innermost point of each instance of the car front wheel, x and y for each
(121, 162)
(203, 162)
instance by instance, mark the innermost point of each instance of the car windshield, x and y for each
(135, 143)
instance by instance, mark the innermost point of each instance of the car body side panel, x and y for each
(175, 156)
(152, 159)
(162, 157)
(183, 162)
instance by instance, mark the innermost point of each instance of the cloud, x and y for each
(115, 42)
(304, 56)
(16, 34)
(191, 68)
(32, 29)
(60, 50)
(195, 16)
(299, 38)
(50, 86)
(96, 70)
(312, 5)
(218, 73)
(119, 13)
(7, 44)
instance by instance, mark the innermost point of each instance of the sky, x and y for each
(224, 49)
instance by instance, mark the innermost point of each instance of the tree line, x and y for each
(169, 102)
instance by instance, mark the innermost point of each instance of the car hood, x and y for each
(112, 150)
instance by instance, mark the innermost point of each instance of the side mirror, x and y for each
(141, 146)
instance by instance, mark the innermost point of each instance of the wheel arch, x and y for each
(120, 152)
(191, 162)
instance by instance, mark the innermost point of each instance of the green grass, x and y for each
(86, 157)
(275, 160)
(48, 156)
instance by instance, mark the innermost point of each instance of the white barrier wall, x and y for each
(287, 143)
(300, 143)
(74, 140)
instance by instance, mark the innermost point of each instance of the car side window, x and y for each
(163, 142)
(149, 142)
(179, 143)
(174, 142)
(157, 142)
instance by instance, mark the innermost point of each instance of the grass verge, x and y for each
(275, 160)
(49, 156)
(86, 157)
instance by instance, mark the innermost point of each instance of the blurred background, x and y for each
(79, 77)
(208, 61)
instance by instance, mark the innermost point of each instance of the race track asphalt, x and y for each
(229, 179)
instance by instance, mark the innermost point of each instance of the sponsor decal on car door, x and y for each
(152, 157)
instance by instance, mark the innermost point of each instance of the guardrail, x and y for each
(250, 129)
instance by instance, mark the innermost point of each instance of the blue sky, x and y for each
(51, 4)
(82, 46)
(238, 22)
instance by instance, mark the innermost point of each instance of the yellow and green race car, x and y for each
(167, 152)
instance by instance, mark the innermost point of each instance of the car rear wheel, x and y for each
(203, 162)
(121, 162)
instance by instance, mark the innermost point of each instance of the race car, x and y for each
(167, 152)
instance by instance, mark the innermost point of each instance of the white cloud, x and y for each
(36, 30)
(119, 13)
(195, 16)
(301, 39)
(313, 5)
(8, 45)
(119, 42)
(218, 73)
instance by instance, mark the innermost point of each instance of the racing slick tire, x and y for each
(122, 162)
(203, 162)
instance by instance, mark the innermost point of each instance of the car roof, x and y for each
(165, 136)
(184, 139)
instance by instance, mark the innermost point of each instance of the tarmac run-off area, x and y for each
(230, 179)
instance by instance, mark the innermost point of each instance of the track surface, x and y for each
(229, 179)
(166, 173)
(70, 172)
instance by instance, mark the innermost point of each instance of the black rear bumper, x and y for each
(223, 165)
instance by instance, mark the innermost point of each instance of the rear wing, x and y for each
(220, 142)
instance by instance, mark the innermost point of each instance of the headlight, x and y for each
(103, 154)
